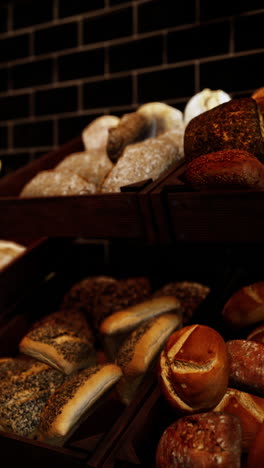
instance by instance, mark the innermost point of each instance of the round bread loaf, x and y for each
(201, 440)
(246, 306)
(257, 334)
(193, 369)
(234, 169)
(236, 124)
(203, 101)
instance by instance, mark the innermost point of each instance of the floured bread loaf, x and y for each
(144, 160)
(9, 251)
(62, 339)
(91, 166)
(56, 183)
(67, 407)
(95, 135)
(132, 127)
(165, 117)
(26, 385)
(203, 101)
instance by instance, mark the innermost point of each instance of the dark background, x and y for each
(65, 62)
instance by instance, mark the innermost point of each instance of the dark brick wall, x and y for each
(64, 62)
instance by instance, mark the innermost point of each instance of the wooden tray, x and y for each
(206, 216)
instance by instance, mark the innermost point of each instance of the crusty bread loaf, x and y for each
(9, 251)
(132, 127)
(95, 135)
(68, 406)
(56, 183)
(234, 169)
(248, 408)
(139, 351)
(62, 339)
(246, 306)
(201, 440)
(91, 166)
(193, 369)
(190, 294)
(236, 124)
(164, 117)
(257, 334)
(203, 101)
(246, 360)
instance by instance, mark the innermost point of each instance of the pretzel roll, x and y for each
(201, 440)
(193, 369)
(246, 306)
(234, 124)
(250, 410)
(257, 334)
(246, 366)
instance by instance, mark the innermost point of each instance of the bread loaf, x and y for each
(56, 183)
(203, 101)
(246, 360)
(202, 440)
(62, 339)
(139, 351)
(164, 117)
(233, 169)
(236, 124)
(193, 369)
(9, 251)
(246, 306)
(68, 406)
(257, 334)
(95, 135)
(248, 408)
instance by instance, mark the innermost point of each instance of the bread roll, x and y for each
(248, 408)
(95, 135)
(256, 453)
(132, 127)
(9, 251)
(63, 340)
(203, 101)
(139, 351)
(236, 124)
(257, 334)
(91, 166)
(246, 306)
(246, 366)
(190, 294)
(164, 117)
(234, 169)
(193, 369)
(56, 183)
(202, 440)
(67, 407)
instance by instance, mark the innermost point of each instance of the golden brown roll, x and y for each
(201, 440)
(233, 169)
(68, 406)
(193, 369)
(56, 183)
(132, 127)
(236, 124)
(9, 251)
(139, 351)
(95, 135)
(246, 306)
(190, 294)
(62, 339)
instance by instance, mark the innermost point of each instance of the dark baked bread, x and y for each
(236, 124)
(234, 169)
(257, 334)
(246, 306)
(202, 440)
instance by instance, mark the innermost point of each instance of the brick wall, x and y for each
(65, 62)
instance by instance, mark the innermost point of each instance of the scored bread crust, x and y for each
(127, 319)
(66, 408)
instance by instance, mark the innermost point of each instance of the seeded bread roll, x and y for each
(246, 306)
(234, 169)
(203, 101)
(56, 183)
(190, 294)
(139, 351)
(91, 166)
(202, 440)
(132, 127)
(95, 135)
(164, 117)
(9, 251)
(63, 340)
(24, 390)
(236, 124)
(68, 406)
